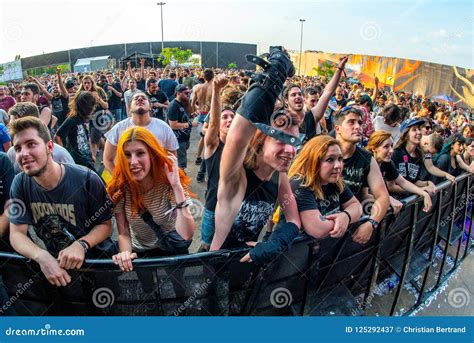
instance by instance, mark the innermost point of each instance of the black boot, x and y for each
(258, 103)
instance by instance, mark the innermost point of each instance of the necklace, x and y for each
(60, 178)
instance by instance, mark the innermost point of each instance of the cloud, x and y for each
(442, 33)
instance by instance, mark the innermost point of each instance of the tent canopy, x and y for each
(134, 58)
(87, 61)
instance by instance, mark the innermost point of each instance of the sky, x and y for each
(434, 31)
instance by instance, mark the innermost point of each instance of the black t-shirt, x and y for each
(60, 108)
(6, 177)
(356, 170)
(332, 202)
(443, 162)
(389, 171)
(74, 134)
(212, 169)
(177, 112)
(65, 213)
(409, 167)
(115, 102)
(309, 126)
(161, 98)
(341, 102)
(141, 85)
(256, 208)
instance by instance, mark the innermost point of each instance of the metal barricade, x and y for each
(314, 277)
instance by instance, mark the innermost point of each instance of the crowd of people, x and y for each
(83, 155)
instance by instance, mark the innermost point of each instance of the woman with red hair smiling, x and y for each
(151, 197)
(326, 205)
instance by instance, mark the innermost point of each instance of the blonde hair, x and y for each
(307, 165)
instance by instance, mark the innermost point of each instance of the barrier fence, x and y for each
(313, 278)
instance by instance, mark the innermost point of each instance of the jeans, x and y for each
(182, 154)
(208, 226)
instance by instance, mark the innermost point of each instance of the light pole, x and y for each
(162, 41)
(301, 46)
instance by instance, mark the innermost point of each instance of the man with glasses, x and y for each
(140, 116)
(427, 127)
(179, 118)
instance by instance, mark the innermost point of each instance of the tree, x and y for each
(326, 70)
(232, 65)
(181, 56)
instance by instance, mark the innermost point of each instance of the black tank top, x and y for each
(257, 207)
(212, 168)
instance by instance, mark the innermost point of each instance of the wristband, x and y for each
(348, 214)
(84, 245)
(184, 204)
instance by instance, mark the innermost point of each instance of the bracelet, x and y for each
(184, 204)
(348, 214)
(84, 245)
(341, 69)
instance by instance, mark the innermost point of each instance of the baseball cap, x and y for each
(69, 84)
(181, 88)
(411, 122)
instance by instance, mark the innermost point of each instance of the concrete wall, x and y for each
(213, 54)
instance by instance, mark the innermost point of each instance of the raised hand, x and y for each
(220, 81)
(173, 174)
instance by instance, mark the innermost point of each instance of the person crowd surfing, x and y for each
(280, 154)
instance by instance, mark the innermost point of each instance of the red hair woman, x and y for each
(152, 197)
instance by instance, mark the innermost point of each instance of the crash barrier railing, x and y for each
(314, 277)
